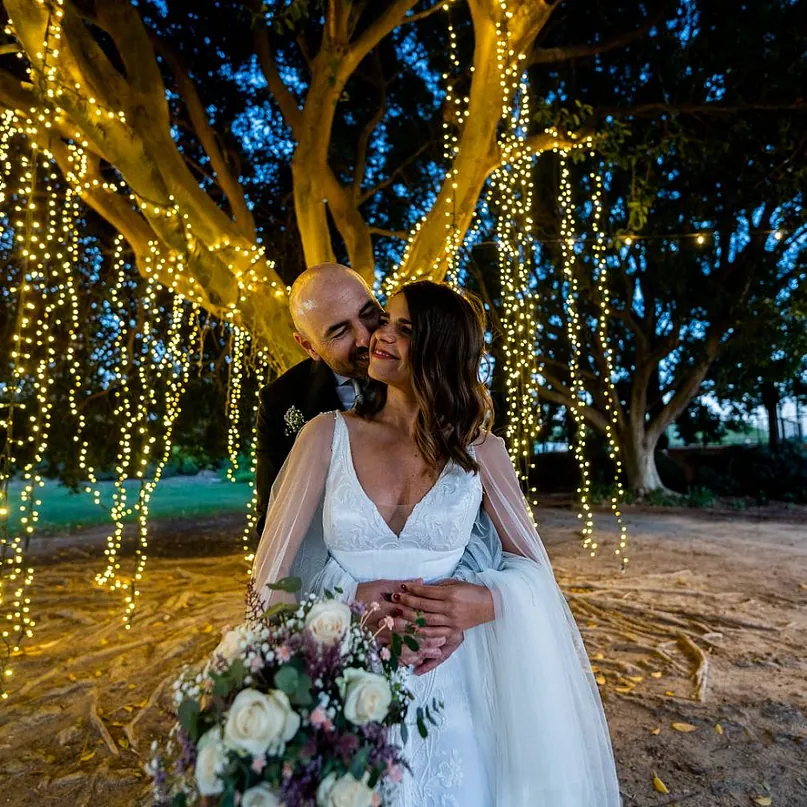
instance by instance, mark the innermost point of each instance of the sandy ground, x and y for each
(88, 697)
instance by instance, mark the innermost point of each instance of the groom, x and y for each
(335, 314)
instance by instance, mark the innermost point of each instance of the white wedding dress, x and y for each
(521, 723)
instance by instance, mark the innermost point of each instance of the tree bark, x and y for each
(639, 459)
(770, 400)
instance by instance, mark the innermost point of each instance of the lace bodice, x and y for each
(440, 522)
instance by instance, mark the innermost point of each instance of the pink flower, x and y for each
(283, 653)
(328, 725)
(318, 716)
(387, 622)
(258, 764)
(394, 772)
(376, 800)
(287, 770)
(385, 654)
(256, 664)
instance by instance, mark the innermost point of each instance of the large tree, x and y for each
(703, 178)
(133, 89)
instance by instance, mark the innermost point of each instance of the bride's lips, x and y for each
(378, 353)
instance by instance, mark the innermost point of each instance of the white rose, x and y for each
(260, 796)
(258, 722)
(367, 696)
(344, 792)
(231, 645)
(328, 621)
(210, 759)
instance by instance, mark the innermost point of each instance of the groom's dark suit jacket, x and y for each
(308, 388)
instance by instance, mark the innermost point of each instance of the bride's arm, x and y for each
(504, 501)
(296, 496)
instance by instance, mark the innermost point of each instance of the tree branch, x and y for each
(285, 100)
(421, 15)
(366, 134)
(402, 234)
(555, 55)
(207, 137)
(594, 418)
(368, 194)
(389, 20)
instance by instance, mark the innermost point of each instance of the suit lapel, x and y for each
(321, 393)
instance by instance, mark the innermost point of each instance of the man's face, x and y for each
(338, 320)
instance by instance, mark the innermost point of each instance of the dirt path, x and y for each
(90, 696)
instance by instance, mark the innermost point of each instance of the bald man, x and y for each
(334, 314)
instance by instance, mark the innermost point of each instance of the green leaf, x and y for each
(411, 644)
(302, 695)
(291, 585)
(404, 733)
(277, 608)
(188, 714)
(180, 800)
(359, 762)
(396, 644)
(287, 679)
(424, 732)
(222, 684)
(237, 672)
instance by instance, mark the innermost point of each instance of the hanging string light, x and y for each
(573, 331)
(238, 342)
(172, 375)
(601, 331)
(247, 537)
(123, 415)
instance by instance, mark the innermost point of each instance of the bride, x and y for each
(393, 489)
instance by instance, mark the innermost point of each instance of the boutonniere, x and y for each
(295, 420)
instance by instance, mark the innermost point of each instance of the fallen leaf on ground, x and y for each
(658, 784)
(718, 728)
(655, 674)
(89, 755)
(764, 801)
(600, 679)
(656, 731)
(685, 727)
(669, 692)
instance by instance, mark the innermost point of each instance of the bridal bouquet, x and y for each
(294, 708)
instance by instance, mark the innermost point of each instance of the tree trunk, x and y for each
(639, 458)
(770, 400)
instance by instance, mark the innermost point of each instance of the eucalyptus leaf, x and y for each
(291, 585)
(287, 679)
(188, 714)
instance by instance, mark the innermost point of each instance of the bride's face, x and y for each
(389, 345)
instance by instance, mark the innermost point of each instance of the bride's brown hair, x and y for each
(445, 354)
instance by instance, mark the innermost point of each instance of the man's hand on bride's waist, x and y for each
(452, 604)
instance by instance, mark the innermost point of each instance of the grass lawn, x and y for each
(177, 497)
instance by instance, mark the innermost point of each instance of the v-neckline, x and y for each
(352, 467)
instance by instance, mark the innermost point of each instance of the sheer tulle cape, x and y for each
(539, 709)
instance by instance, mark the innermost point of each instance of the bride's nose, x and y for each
(385, 333)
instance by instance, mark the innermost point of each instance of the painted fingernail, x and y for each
(396, 597)
(403, 587)
(397, 612)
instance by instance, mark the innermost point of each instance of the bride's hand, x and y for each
(380, 591)
(454, 604)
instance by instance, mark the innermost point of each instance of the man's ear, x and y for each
(306, 346)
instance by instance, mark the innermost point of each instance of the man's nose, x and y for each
(363, 334)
